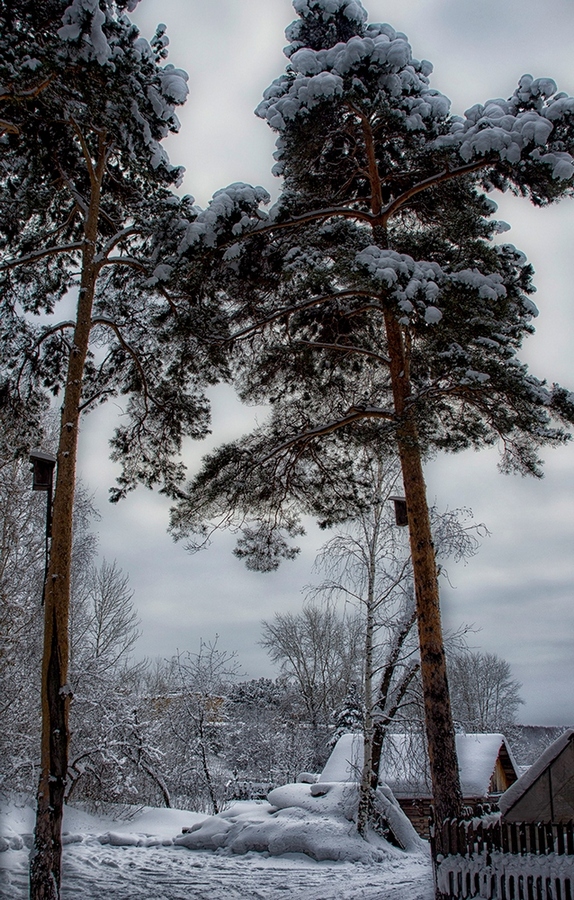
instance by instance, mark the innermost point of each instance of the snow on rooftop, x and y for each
(345, 761)
(519, 788)
(402, 765)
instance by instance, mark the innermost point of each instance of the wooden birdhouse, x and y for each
(401, 517)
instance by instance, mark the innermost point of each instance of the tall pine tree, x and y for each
(86, 212)
(373, 307)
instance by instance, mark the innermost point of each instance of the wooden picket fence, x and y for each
(502, 860)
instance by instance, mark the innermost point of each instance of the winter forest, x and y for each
(315, 382)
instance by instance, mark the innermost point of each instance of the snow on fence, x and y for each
(507, 861)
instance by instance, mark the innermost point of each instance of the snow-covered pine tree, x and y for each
(349, 718)
(86, 211)
(374, 307)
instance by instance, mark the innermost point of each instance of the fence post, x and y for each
(560, 835)
(522, 838)
(549, 838)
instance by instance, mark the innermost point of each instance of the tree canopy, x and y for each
(375, 307)
(89, 102)
(86, 213)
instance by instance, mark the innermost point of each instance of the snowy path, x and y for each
(93, 871)
(102, 861)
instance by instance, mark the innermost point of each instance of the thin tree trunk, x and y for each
(365, 791)
(439, 724)
(206, 769)
(46, 861)
(369, 777)
(387, 715)
(382, 726)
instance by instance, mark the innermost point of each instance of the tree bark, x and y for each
(46, 861)
(368, 778)
(365, 792)
(447, 795)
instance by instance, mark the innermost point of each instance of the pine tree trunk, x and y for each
(439, 724)
(46, 860)
(447, 795)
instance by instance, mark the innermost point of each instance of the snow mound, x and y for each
(137, 826)
(317, 820)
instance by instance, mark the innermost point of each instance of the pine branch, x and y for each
(121, 261)
(103, 320)
(7, 127)
(41, 254)
(295, 308)
(76, 196)
(446, 175)
(373, 170)
(61, 326)
(52, 330)
(85, 152)
(116, 239)
(355, 414)
(134, 263)
(344, 348)
(317, 215)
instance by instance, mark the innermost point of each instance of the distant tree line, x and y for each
(190, 731)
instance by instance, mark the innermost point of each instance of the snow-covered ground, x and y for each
(135, 857)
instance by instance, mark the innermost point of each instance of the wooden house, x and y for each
(485, 761)
(545, 793)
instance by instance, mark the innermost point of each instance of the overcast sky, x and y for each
(519, 590)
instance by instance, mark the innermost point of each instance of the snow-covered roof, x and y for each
(345, 761)
(402, 765)
(477, 756)
(519, 788)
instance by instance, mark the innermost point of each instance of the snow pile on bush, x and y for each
(317, 819)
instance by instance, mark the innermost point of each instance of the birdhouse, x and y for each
(42, 470)
(401, 517)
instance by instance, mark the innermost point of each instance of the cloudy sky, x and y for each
(519, 590)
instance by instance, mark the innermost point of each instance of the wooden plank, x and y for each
(560, 839)
(470, 840)
(461, 838)
(479, 838)
(454, 836)
(522, 835)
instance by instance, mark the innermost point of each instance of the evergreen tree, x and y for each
(349, 718)
(373, 308)
(86, 210)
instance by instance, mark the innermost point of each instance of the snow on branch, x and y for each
(417, 283)
(517, 129)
